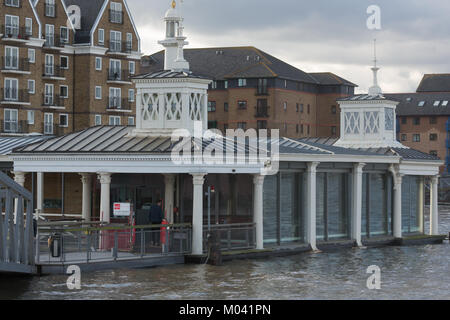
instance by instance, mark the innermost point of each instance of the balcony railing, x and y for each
(51, 70)
(118, 103)
(50, 10)
(53, 101)
(15, 95)
(13, 3)
(120, 46)
(14, 126)
(118, 75)
(115, 16)
(16, 32)
(52, 40)
(15, 63)
(262, 112)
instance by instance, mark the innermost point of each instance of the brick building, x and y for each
(66, 65)
(423, 117)
(253, 89)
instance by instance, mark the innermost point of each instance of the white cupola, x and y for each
(173, 98)
(368, 120)
(174, 41)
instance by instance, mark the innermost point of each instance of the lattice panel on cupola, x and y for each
(352, 123)
(173, 106)
(389, 119)
(371, 122)
(150, 110)
(195, 106)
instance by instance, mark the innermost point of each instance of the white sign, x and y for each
(122, 209)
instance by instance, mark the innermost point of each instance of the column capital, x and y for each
(258, 179)
(198, 178)
(312, 166)
(358, 167)
(86, 177)
(104, 177)
(19, 177)
(169, 178)
(435, 179)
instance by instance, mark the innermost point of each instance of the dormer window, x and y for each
(421, 104)
(444, 103)
(242, 82)
(436, 103)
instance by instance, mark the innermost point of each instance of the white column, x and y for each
(169, 180)
(205, 111)
(311, 204)
(357, 202)
(86, 180)
(420, 204)
(105, 205)
(197, 214)
(40, 192)
(434, 207)
(258, 188)
(398, 178)
(19, 177)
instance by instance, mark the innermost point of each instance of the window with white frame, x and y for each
(28, 26)
(48, 94)
(11, 26)
(114, 120)
(98, 63)
(50, 10)
(49, 65)
(64, 92)
(64, 62)
(98, 92)
(64, 120)
(49, 35)
(11, 92)
(11, 58)
(115, 12)
(115, 98)
(131, 95)
(10, 122)
(31, 86)
(115, 41)
(12, 3)
(129, 42)
(30, 116)
(31, 56)
(98, 120)
(64, 35)
(132, 67)
(131, 121)
(101, 36)
(48, 123)
(242, 82)
(114, 70)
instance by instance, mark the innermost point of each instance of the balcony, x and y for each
(50, 128)
(53, 102)
(50, 10)
(14, 33)
(15, 96)
(119, 76)
(118, 104)
(262, 112)
(15, 65)
(13, 3)
(55, 41)
(120, 46)
(116, 16)
(14, 126)
(53, 72)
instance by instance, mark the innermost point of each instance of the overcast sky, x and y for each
(319, 35)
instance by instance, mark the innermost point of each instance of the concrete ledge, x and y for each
(111, 265)
(380, 242)
(15, 268)
(420, 240)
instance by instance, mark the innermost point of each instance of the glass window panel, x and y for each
(289, 213)
(337, 215)
(320, 206)
(270, 209)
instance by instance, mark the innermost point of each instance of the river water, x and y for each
(419, 272)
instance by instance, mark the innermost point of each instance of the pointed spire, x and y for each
(375, 89)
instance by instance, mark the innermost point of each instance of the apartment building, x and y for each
(253, 89)
(66, 65)
(423, 117)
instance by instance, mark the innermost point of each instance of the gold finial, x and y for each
(174, 4)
